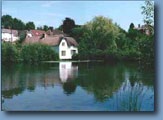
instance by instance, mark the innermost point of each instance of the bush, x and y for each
(75, 57)
(9, 52)
(37, 52)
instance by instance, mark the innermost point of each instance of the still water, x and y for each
(68, 86)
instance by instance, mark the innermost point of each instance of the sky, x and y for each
(52, 13)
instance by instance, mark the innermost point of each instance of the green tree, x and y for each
(45, 28)
(68, 25)
(51, 28)
(131, 26)
(132, 33)
(102, 33)
(7, 21)
(30, 26)
(98, 38)
(39, 28)
(148, 12)
(77, 33)
(9, 53)
(146, 44)
(18, 24)
(22, 36)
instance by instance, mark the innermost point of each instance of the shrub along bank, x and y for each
(29, 53)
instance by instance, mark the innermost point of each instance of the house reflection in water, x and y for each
(67, 71)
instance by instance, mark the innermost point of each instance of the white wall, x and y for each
(67, 49)
(9, 37)
(29, 35)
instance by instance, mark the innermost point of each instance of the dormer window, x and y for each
(63, 44)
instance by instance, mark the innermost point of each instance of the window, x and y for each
(63, 44)
(63, 53)
(73, 52)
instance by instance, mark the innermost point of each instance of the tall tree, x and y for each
(148, 12)
(45, 28)
(39, 28)
(18, 24)
(131, 26)
(132, 33)
(51, 28)
(30, 26)
(98, 35)
(68, 25)
(7, 21)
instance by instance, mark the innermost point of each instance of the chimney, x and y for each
(44, 35)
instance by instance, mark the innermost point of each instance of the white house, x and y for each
(64, 46)
(9, 35)
(67, 48)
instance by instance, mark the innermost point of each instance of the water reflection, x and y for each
(67, 71)
(105, 87)
(16, 79)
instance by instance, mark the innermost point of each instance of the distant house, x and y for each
(33, 33)
(55, 32)
(64, 46)
(146, 29)
(9, 35)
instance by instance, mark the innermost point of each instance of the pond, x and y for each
(68, 86)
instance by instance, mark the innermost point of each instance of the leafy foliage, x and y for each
(7, 21)
(30, 26)
(9, 53)
(27, 53)
(22, 36)
(67, 26)
(37, 52)
(148, 12)
(13, 23)
(99, 36)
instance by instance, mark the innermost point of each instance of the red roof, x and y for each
(37, 32)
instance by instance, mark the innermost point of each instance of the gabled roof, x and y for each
(14, 32)
(71, 41)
